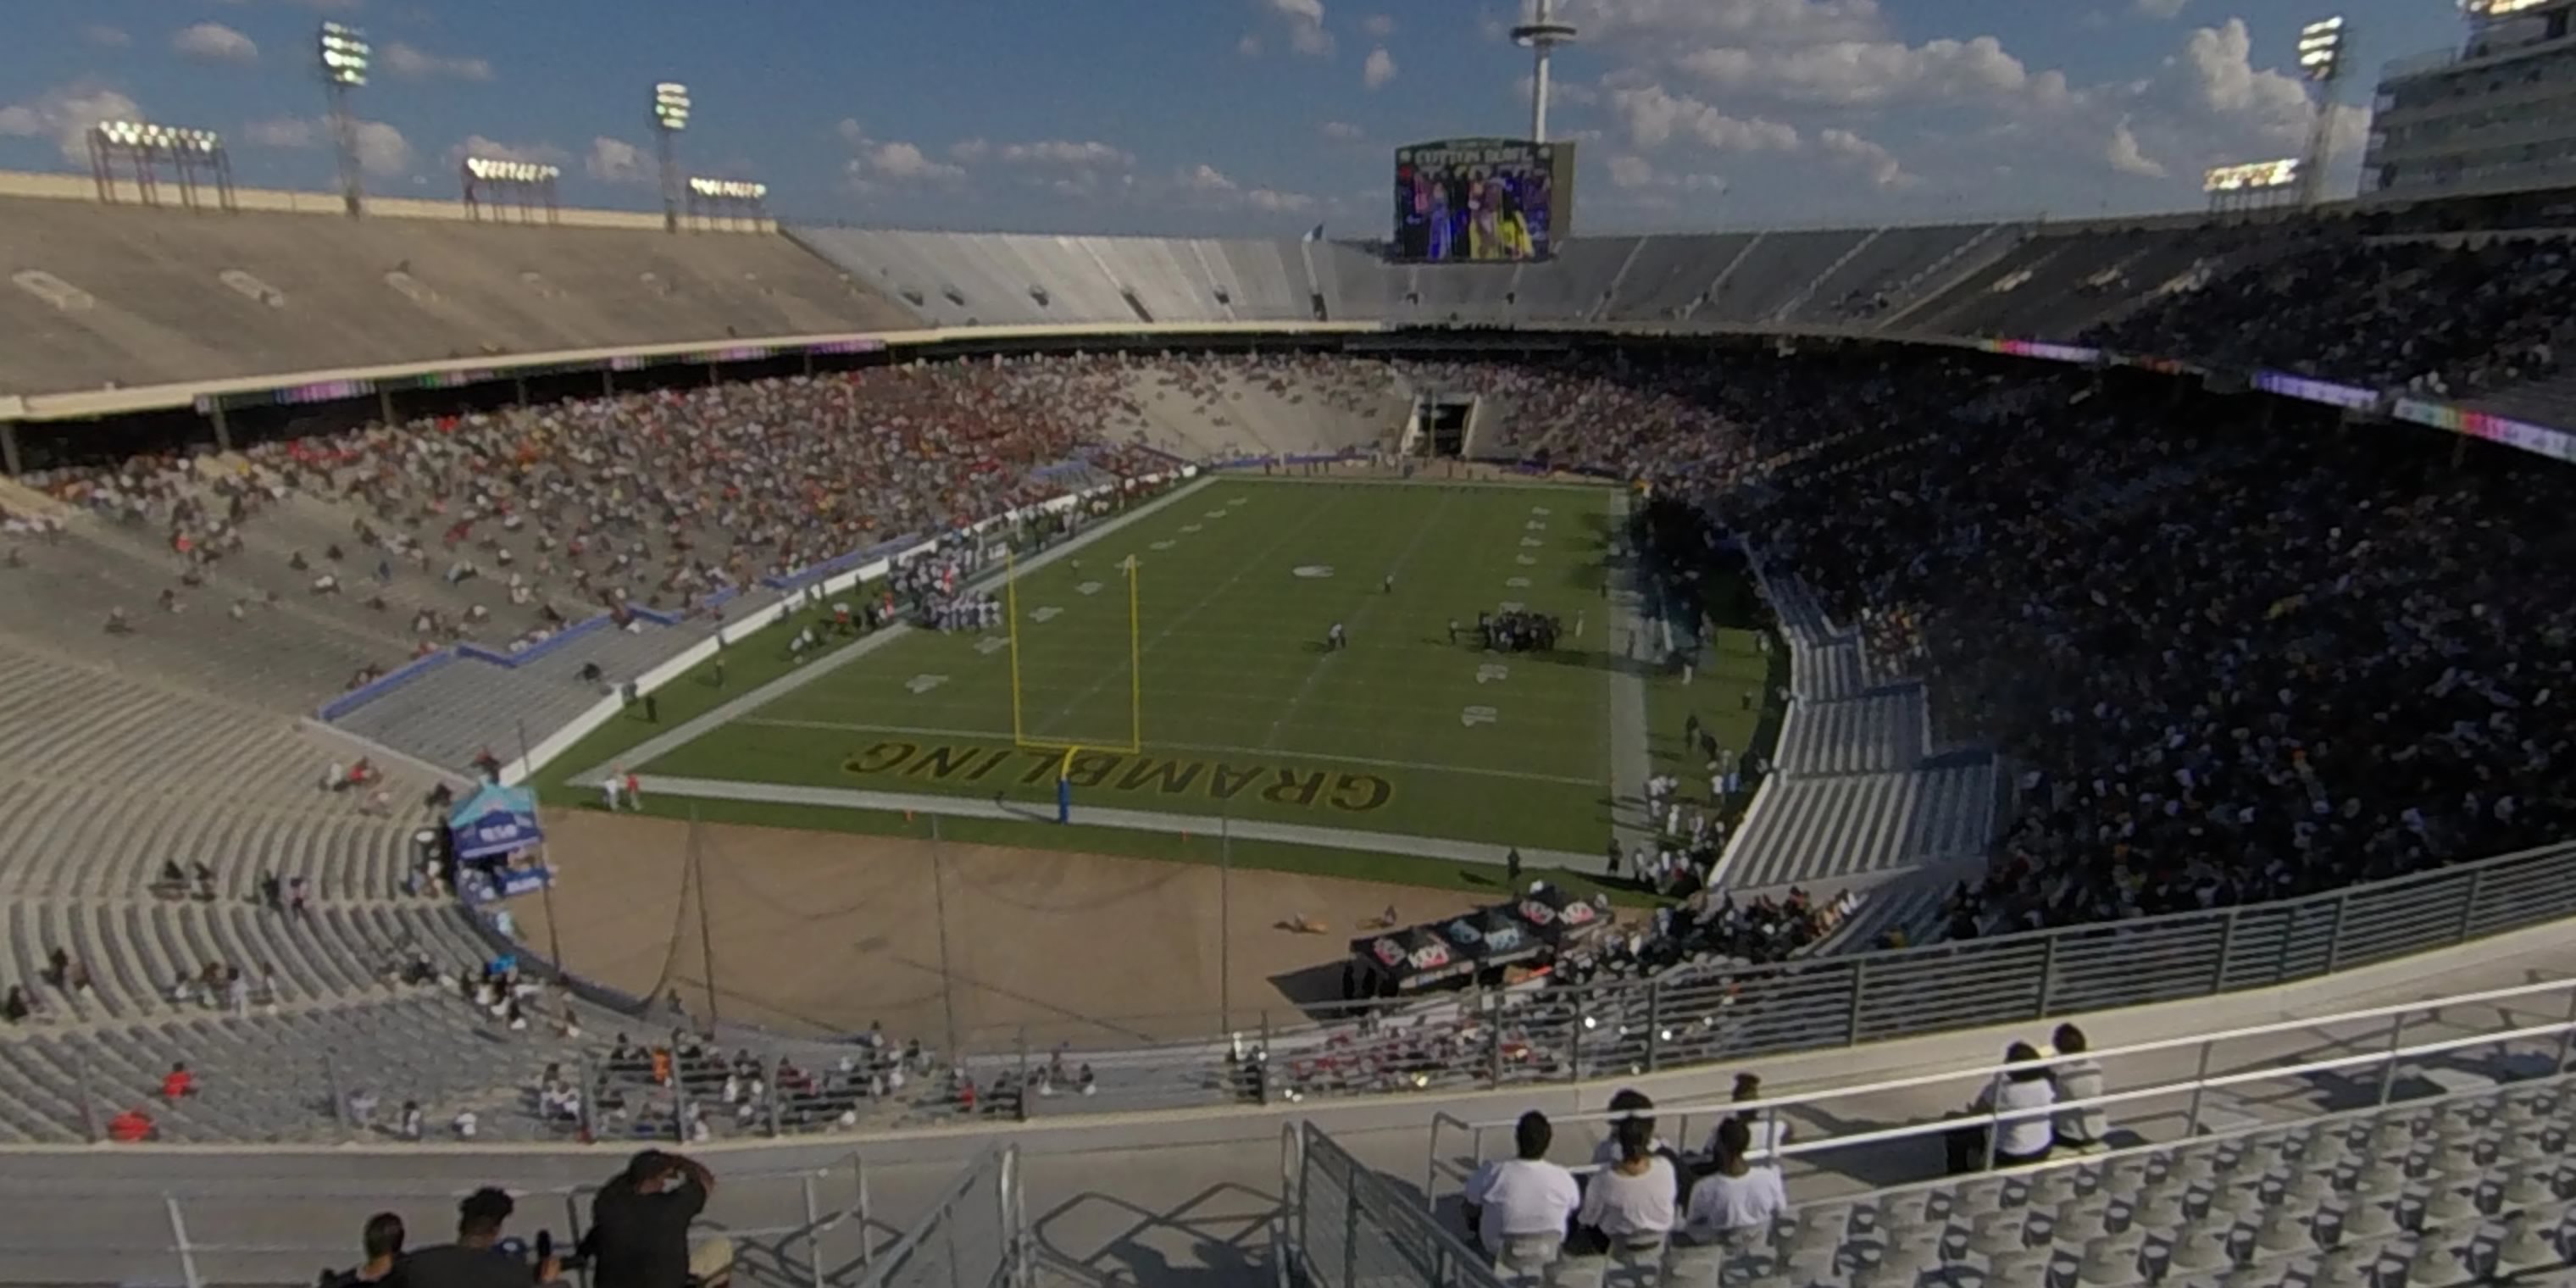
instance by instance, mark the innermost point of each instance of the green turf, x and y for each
(1244, 712)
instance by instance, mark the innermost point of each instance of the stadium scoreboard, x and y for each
(1490, 200)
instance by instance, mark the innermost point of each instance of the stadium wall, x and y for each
(285, 201)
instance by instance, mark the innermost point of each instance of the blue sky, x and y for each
(1246, 116)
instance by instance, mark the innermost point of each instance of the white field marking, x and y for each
(1430, 520)
(1087, 588)
(1240, 500)
(1193, 527)
(1491, 672)
(1525, 561)
(921, 684)
(1532, 541)
(1535, 525)
(1162, 545)
(1518, 583)
(992, 644)
(1213, 749)
(1474, 716)
(1540, 509)
(1047, 613)
(1241, 570)
(1313, 572)
(1217, 514)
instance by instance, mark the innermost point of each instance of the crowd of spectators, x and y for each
(2233, 663)
(2434, 318)
(507, 525)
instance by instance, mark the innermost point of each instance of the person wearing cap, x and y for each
(639, 1226)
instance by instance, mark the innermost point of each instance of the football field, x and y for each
(1205, 688)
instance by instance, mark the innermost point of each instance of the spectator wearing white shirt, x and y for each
(1631, 1202)
(1736, 1200)
(1637, 1105)
(1763, 1128)
(1518, 1207)
(2020, 1141)
(2077, 1079)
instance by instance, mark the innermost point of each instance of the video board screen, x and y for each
(1489, 200)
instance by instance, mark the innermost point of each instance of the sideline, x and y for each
(1490, 854)
(1631, 753)
(653, 748)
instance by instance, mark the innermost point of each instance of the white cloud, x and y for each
(1654, 116)
(1207, 178)
(213, 42)
(1879, 163)
(1060, 152)
(2160, 8)
(413, 63)
(1857, 73)
(618, 161)
(1559, 92)
(905, 161)
(475, 145)
(2218, 73)
(382, 149)
(285, 132)
(1249, 46)
(106, 37)
(1668, 24)
(1305, 23)
(1379, 69)
(1205, 185)
(1343, 132)
(1628, 170)
(65, 114)
(2126, 157)
(1379, 25)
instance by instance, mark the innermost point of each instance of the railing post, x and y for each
(2199, 1087)
(179, 1240)
(2567, 1036)
(1023, 1114)
(1654, 1024)
(1494, 1039)
(2334, 937)
(1851, 1016)
(813, 1234)
(2388, 1070)
(867, 1220)
(1350, 1233)
(2047, 973)
(2469, 905)
(776, 1086)
(2226, 949)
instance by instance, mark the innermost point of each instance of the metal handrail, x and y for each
(2001, 1068)
(2199, 1084)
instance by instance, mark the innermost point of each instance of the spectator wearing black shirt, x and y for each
(639, 1226)
(476, 1259)
(383, 1241)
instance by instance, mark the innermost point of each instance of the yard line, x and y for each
(1004, 735)
(1241, 571)
(1368, 605)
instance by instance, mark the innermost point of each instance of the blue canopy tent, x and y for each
(493, 822)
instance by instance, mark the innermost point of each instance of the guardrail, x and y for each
(2384, 1053)
(816, 1227)
(1349, 1227)
(1539, 1034)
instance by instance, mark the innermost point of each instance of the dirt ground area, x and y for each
(824, 932)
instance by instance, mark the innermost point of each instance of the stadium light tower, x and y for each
(1542, 34)
(345, 56)
(723, 202)
(670, 116)
(2321, 60)
(502, 184)
(190, 153)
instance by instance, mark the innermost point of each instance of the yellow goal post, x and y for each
(1020, 735)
